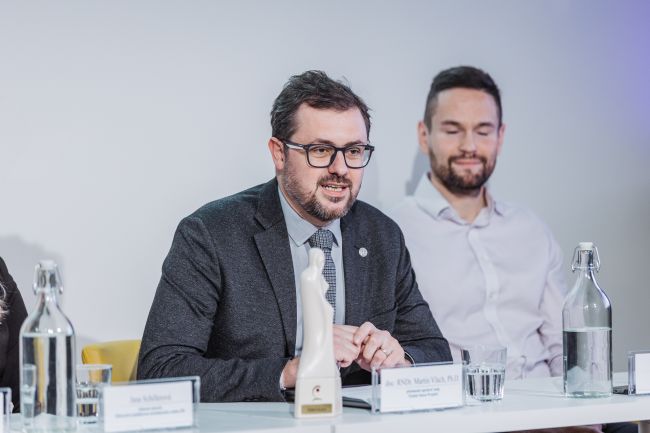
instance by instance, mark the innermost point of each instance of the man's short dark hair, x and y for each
(317, 90)
(467, 77)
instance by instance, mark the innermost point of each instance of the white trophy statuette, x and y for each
(318, 385)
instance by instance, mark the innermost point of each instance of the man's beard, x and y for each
(308, 201)
(464, 184)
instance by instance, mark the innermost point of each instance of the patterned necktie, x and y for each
(323, 239)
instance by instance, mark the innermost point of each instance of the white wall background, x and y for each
(119, 118)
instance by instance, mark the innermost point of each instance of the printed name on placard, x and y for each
(421, 388)
(148, 406)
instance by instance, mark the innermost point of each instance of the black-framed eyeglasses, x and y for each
(323, 155)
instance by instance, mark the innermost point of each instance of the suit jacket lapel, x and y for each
(273, 246)
(355, 262)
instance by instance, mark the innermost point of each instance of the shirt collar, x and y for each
(433, 203)
(429, 198)
(299, 229)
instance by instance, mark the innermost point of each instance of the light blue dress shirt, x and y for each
(300, 231)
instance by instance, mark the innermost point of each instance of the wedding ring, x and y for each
(386, 352)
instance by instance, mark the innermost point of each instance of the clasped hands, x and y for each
(366, 345)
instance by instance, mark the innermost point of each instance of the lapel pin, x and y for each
(363, 252)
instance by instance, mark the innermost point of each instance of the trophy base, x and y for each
(318, 397)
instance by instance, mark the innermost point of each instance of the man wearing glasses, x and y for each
(227, 306)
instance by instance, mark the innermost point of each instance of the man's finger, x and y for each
(378, 359)
(347, 345)
(347, 328)
(374, 343)
(363, 331)
(345, 331)
(345, 355)
(395, 358)
(345, 351)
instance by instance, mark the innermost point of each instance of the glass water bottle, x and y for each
(587, 326)
(47, 359)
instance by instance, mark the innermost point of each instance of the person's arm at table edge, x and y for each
(180, 323)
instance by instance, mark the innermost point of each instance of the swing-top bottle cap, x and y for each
(586, 246)
(47, 264)
(46, 277)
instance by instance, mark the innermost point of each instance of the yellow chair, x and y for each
(121, 354)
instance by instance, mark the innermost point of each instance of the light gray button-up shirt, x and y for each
(497, 281)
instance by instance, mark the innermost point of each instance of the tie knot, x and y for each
(322, 239)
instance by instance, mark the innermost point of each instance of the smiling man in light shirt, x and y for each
(490, 271)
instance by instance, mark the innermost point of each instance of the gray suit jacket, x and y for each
(225, 308)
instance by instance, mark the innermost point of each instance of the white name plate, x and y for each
(639, 372)
(146, 406)
(422, 387)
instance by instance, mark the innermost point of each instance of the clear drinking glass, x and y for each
(484, 370)
(90, 379)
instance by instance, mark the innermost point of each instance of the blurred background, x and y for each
(119, 118)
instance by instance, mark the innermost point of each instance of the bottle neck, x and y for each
(586, 305)
(46, 295)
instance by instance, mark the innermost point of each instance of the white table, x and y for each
(528, 404)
